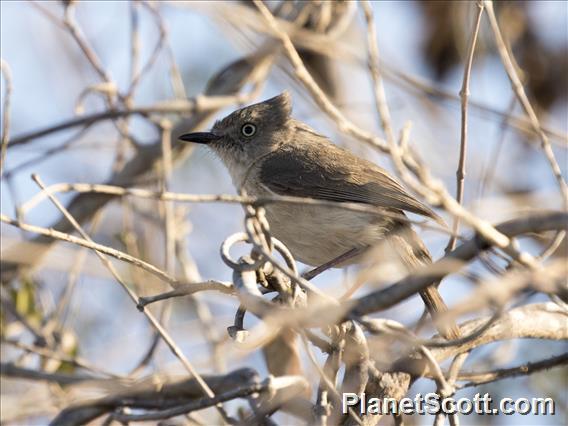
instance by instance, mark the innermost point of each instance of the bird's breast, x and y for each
(318, 234)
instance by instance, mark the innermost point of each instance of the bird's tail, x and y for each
(414, 254)
(436, 306)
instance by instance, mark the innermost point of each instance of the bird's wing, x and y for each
(336, 176)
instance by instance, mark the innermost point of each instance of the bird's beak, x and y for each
(200, 137)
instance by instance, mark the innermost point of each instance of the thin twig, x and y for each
(51, 354)
(49, 153)
(483, 377)
(59, 314)
(5, 70)
(114, 190)
(138, 75)
(193, 105)
(11, 370)
(163, 333)
(328, 383)
(71, 25)
(199, 404)
(134, 40)
(374, 68)
(460, 177)
(57, 235)
(168, 207)
(187, 290)
(387, 297)
(302, 74)
(524, 100)
(464, 95)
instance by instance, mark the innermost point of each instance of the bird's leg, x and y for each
(312, 273)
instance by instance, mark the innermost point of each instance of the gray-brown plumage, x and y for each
(267, 152)
(299, 170)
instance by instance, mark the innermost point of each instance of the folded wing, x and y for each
(336, 176)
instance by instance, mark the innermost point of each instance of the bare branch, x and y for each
(464, 95)
(163, 333)
(5, 70)
(483, 377)
(385, 298)
(523, 99)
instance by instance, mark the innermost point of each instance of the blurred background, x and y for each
(157, 53)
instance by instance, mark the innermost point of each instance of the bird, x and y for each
(269, 153)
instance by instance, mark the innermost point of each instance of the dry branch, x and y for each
(339, 327)
(454, 261)
(156, 396)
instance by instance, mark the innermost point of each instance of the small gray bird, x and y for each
(268, 153)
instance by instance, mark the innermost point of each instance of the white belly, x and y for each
(316, 234)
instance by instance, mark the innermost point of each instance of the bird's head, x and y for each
(249, 133)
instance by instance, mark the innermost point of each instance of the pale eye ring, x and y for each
(248, 130)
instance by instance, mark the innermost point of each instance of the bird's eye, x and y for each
(248, 130)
